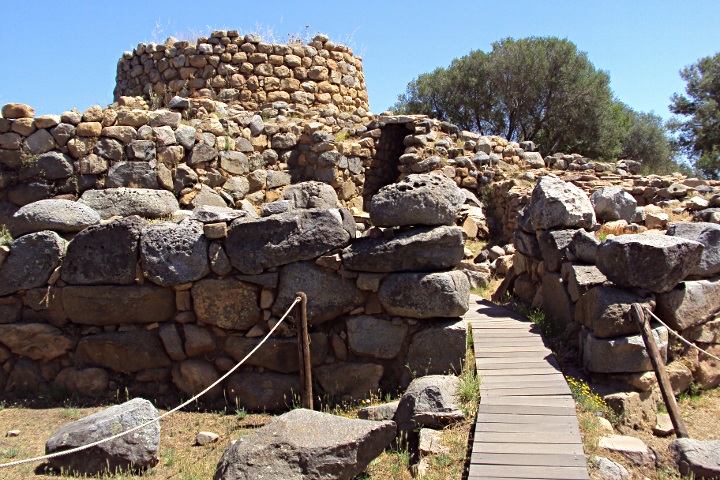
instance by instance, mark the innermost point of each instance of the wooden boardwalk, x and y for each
(526, 426)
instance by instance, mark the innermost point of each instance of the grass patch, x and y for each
(5, 237)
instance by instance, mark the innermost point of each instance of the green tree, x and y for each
(699, 135)
(539, 89)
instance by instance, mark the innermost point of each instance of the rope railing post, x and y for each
(668, 395)
(304, 354)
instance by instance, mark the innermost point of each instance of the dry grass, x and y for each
(701, 414)
(179, 457)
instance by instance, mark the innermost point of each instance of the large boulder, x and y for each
(287, 237)
(313, 445)
(438, 349)
(311, 195)
(613, 203)
(416, 250)
(277, 354)
(32, 260)
(104, 254)
(425, 295)
(697, 458)
(173, 254)
(353, 380)
(59, 215)
(329, 295)
(133, 175)
(606, 311)
(709, 235)
(557, 204)
(226, 303)
(375, 337)
(195, 375)
(147, 203)
(134, 451)
(419, 199)
(126, 352)
(103, 305)
(691, 303)
(262, 392)
(555, 247)
(37, 341)
(556, 301)
(581, 278)
(429, 401)
(621, 354)
(652, 262)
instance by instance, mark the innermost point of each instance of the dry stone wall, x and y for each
(588, 286)
(91, 306)
(242, 69)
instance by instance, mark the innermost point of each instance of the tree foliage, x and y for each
(699, 135)
(541, 89)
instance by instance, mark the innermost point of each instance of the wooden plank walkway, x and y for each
(526, 426)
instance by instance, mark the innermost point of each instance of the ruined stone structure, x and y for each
(244, 70)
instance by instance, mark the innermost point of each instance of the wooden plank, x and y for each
(525, 448)
(529, 459)
(553, 428)
(516, 372)
(512, 351)
(527, 473)
(543, 380)
(515, 418)
(547, 360)
(537, 367)
(526, 437)
(537, 391)
(529, 401)
(521, 410)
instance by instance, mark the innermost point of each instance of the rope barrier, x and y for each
(680, 337)
(157, 419)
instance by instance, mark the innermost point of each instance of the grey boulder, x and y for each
(697, 458)
(147, 203)
(311, 195)
(606, 311)
(329, 295)
(253, 246)
(709, 235)
(652, 262)
(621, 354)
(172, 253)
(132, 174)
(416, 250)
(425, 295)
(419, 199)
(59, 215)
(313, 445)
(430, 401)
(134, 451)
(692, 302)
(104, 254)
(33, 258)
(262, 392)
(613, 203)
(557, 204)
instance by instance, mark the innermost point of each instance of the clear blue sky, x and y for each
(61, 54)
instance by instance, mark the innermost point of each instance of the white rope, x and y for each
(156, 419)
(680, 337)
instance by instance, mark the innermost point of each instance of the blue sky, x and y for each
(58, 55)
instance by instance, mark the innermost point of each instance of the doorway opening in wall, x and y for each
(384, 167)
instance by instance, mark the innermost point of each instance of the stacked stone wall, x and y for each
(92, 306)
(587, 286)
(242, 69)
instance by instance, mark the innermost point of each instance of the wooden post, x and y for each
(663, 380)
(304, 354)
